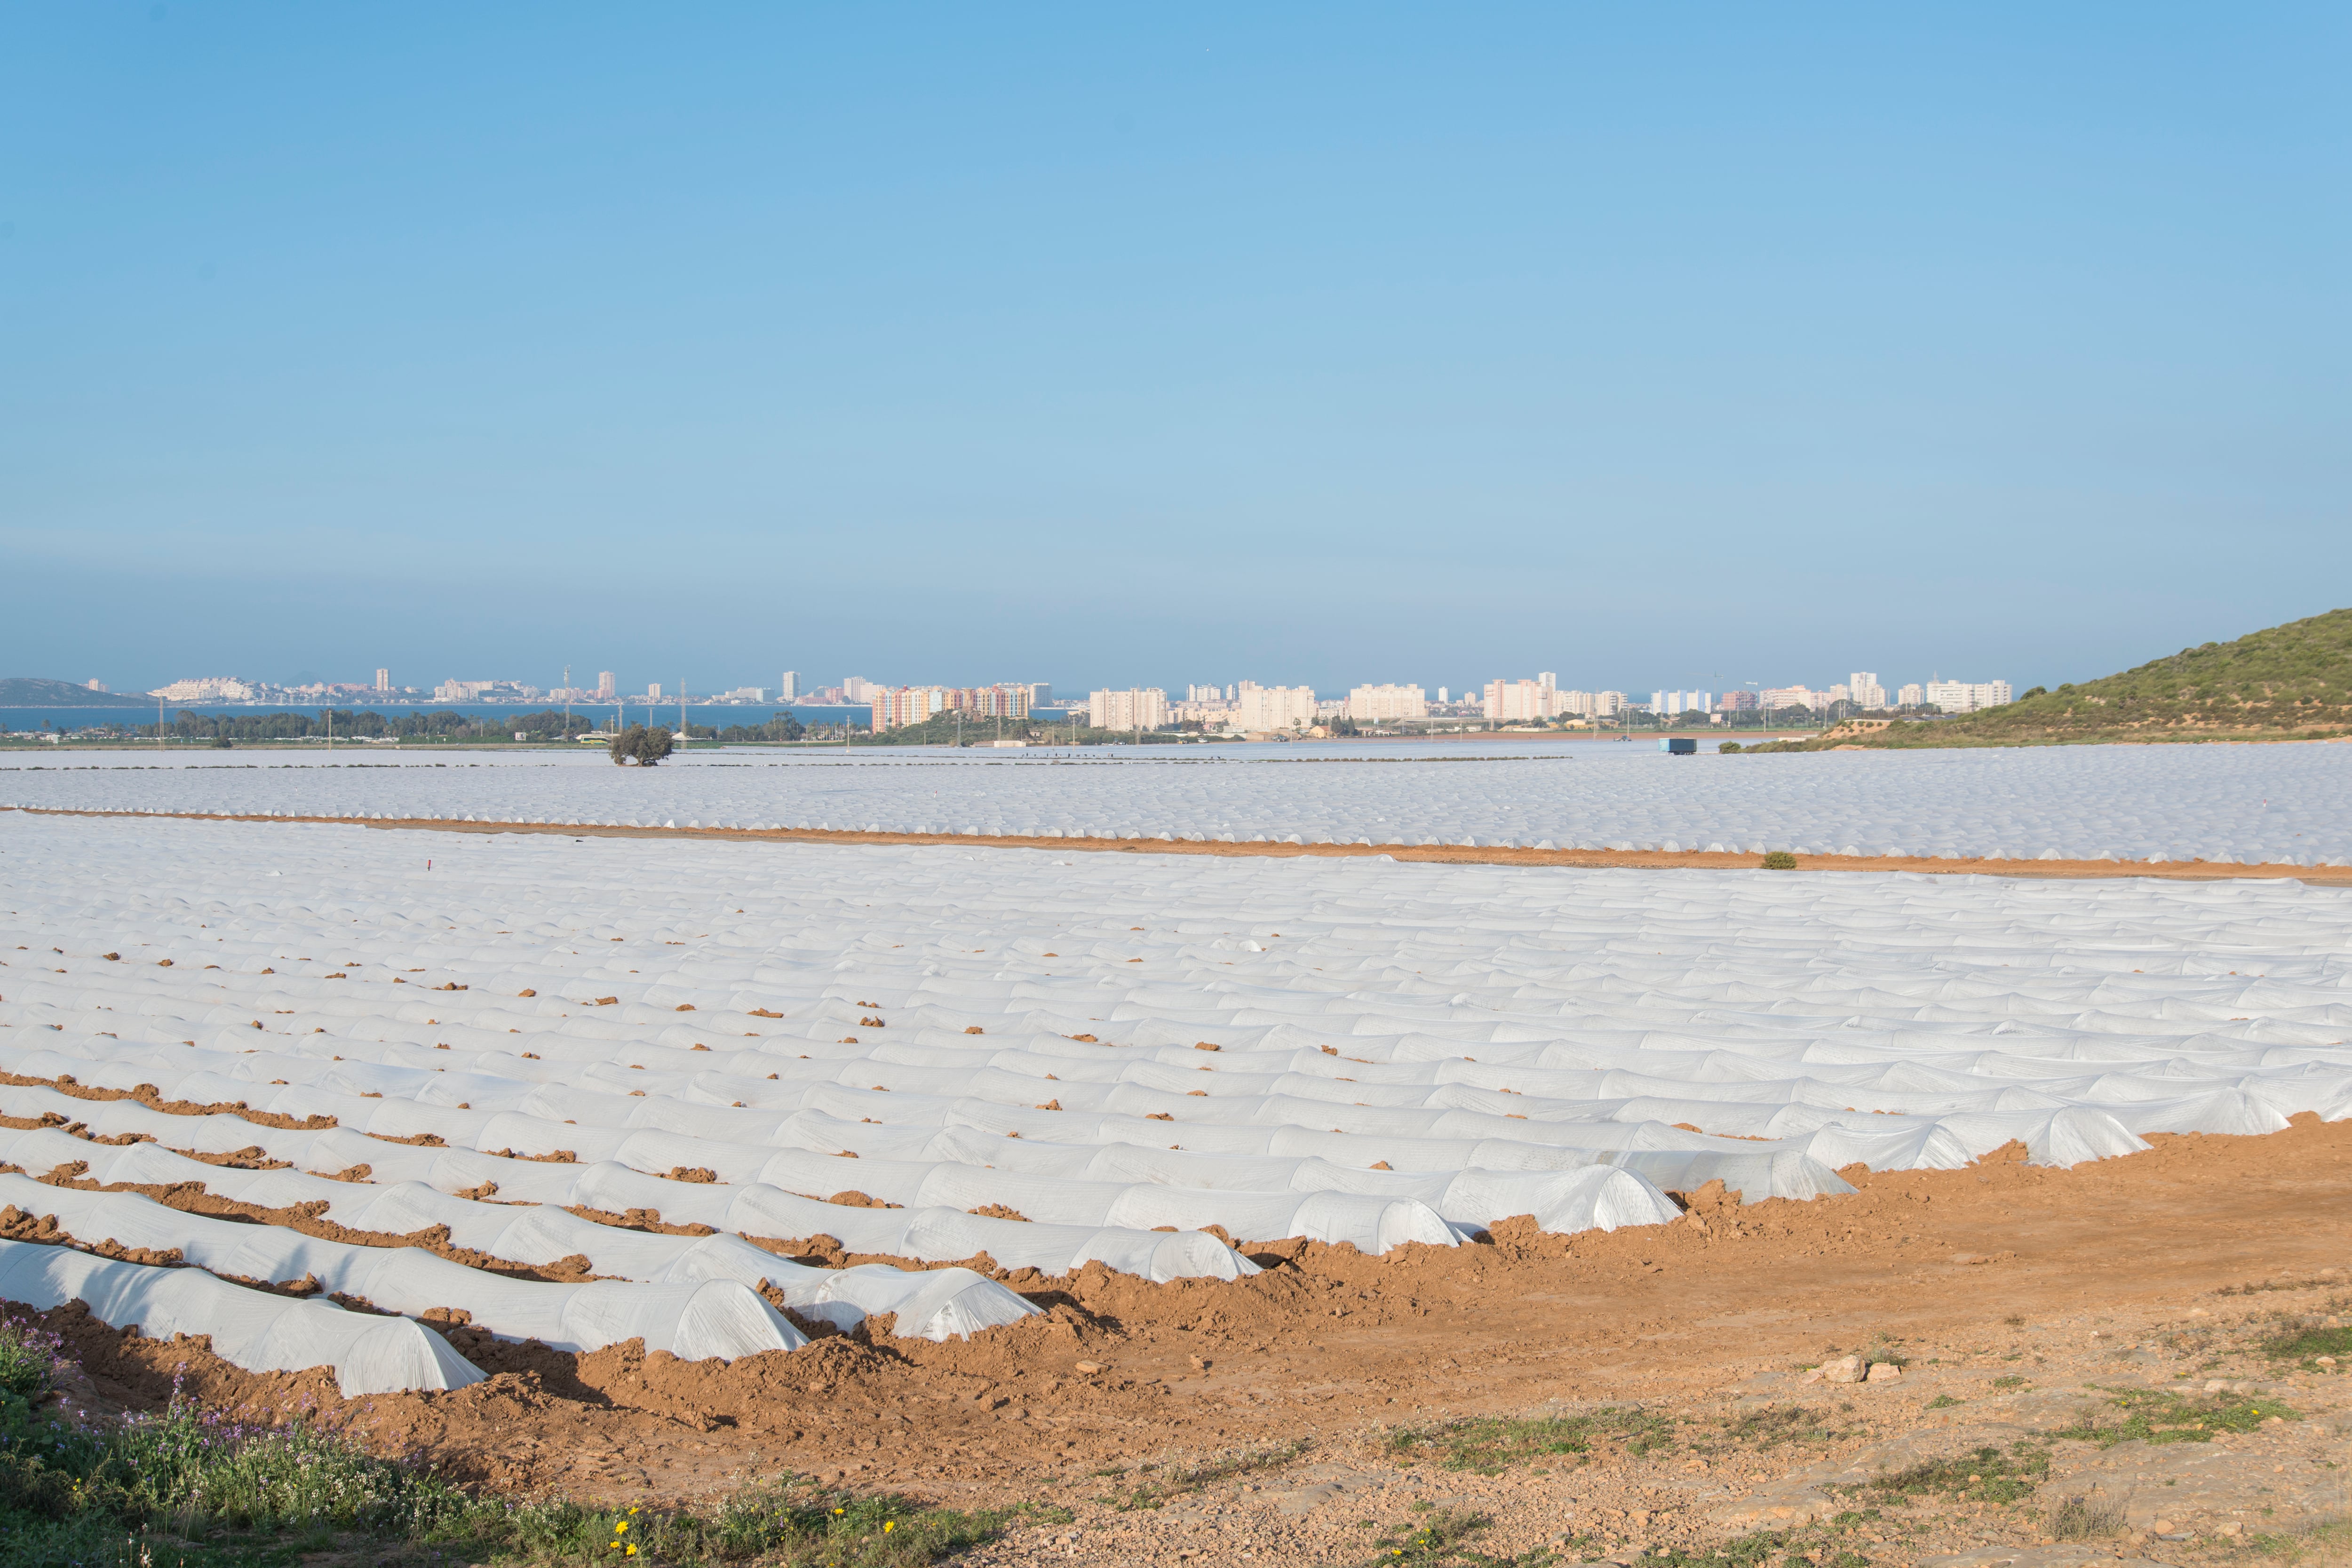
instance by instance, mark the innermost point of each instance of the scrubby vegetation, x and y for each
(2287, 682)
(189, 1486)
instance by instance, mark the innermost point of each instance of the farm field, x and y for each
(1210, 1200)
(2276, 804)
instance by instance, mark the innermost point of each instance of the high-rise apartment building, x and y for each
(607, 686)
(904, 705)
(653, 692)
(1909, 696)
(790, 692)
(1865, 690)
(1518, 701)
(1000, 701)
(1258, 709)
(1677, 702)
(1138, 708)
(1966, 696)
(1735, 702)
(383, 680)
(857, 689)
(1373, 704)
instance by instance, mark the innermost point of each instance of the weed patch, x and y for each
(1986, 1476)
(2080, 1519)
(2161, 1417)
(1168, 1484)
(1437, 1537)
(1488, 1445)
(1777, 1423)
(194, 1487)
(2303, 1343)
(1759, 1550)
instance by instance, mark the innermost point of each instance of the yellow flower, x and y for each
(621, 1528)
(633, 1551)
(889, 1524)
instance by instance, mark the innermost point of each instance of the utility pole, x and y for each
(567, 702)
(684, 734)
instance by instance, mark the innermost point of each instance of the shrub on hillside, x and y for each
(1779, 860)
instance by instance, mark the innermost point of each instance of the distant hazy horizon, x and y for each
(1685, 348)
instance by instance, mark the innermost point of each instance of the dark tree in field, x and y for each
(645, 747)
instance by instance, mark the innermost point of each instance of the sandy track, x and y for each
(1449, 855)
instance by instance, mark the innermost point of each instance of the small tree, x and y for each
(645, 747)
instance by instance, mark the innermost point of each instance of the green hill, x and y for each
(2289, 683)
(31, 692)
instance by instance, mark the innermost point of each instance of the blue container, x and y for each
(1679, 746)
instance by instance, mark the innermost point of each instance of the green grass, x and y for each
(1777, 1423)
(1764, 1547)
(2329, 1544)
(1437, 1537)
(2162, 1416)
(2303, 1344)
(1944, 1402)
(1488, 1444)
(190, 1487)
(1986, 1476)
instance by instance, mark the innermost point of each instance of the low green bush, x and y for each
(1779, 860)
(210, 1489)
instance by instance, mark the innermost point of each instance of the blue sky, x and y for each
(1651, 345)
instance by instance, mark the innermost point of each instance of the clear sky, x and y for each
(1649, 344)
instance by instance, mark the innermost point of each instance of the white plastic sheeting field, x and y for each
(1090, 1050)
(2275, 803)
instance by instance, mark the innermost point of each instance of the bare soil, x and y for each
(1310, 1414)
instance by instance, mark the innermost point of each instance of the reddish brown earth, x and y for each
(2071, 1284)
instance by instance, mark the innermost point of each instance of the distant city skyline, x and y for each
(1268, 706)
(1671, 348)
